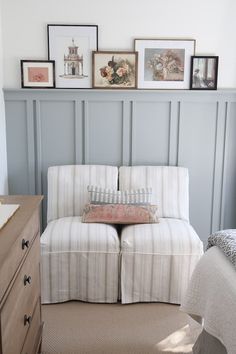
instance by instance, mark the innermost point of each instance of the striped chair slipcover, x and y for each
(157, 260)
(79, 261)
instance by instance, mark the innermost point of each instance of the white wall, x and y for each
(3, 155)
(211, 22)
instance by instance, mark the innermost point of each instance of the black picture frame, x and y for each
(82, 40)
(37, 74)
(204, 72)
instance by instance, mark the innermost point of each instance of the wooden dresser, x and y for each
(20, 306)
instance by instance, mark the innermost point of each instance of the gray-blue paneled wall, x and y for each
(185, 128)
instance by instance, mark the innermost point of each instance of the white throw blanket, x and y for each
(212, 296)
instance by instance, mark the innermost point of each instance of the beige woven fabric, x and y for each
(83, 328)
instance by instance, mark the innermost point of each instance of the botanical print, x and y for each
(118, 71)
(164, 64)
(38, 74)
(73, 62)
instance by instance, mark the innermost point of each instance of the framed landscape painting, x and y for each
(164, 63)
(71, 47)
(204, 72)
(115, 70)
(37, 74)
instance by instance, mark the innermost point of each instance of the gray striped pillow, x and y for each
(99, 195)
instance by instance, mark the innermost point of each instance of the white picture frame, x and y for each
(164, 63)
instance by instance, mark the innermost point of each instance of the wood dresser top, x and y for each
(17, 222)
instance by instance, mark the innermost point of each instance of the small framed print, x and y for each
(37, 73)
(115, 70)
(164, 63)
(71, 47)
(204, 72)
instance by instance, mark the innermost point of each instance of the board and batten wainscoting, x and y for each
(186, 128)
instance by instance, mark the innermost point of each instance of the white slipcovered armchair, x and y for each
(157, 260)
(79, 261)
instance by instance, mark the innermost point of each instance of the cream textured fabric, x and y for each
(67, 187)
(212, 296)
(169, 187)
(79, 261)
(158, 260)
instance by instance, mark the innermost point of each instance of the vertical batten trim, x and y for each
(132, 143)
(178, 132)
(38, 136)
(213, 197)
(225, 147)
(86, 133)
(78, 136)
(125, 134)
(170, 138)
(30, 145)
(173, 133)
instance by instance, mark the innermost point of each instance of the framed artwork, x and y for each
(164, 63)
(115, 70)
(37, 73)
(204, 72)
(71, 47)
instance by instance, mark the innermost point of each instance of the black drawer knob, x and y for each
(27, 320)
(27, 279)
(25, 243)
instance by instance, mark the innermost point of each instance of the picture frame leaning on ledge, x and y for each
(115, 69)
(164, 63)
(71, 47)
(37, 73)
(204, 72)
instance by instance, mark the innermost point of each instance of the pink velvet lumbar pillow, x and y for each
(120, 214)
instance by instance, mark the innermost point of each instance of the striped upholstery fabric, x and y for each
(79, 261)
(169, 187)
(67, 187)
(99, 195)
(158, 260)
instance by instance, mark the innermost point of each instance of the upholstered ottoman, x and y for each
(79, 261)
(157, 260)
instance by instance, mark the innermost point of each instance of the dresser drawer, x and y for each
(34, 334)
(18, 251)
(17, 311)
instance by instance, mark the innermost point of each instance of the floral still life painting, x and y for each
(164, 63)
(114, 70)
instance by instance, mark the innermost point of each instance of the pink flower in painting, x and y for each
(121, 72)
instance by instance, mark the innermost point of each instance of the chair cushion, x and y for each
(67, 187)
(70, 234)
(170, 187)
(169, 237)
